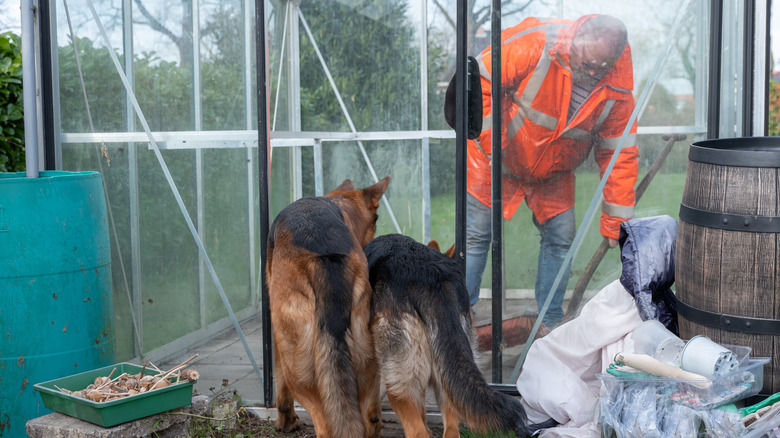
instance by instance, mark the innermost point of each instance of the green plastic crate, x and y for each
(112, 412)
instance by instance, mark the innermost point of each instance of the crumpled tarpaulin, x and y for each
(647, 253)
(558, 379)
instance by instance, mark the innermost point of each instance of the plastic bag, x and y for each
(648, 410)
(767, 426)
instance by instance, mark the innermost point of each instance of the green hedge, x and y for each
(11, 104)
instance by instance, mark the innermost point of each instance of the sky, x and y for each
(774, 29)
(10, 17)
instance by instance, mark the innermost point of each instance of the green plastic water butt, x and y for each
(56, 313)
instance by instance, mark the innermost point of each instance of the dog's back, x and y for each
(319, 296)
(422, 325)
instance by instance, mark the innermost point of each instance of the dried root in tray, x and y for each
(106, 389)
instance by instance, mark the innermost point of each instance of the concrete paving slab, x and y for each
(169, 424)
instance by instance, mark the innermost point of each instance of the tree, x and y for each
(774, 108)
(182, 40)
(373, 62)
(682, 63)
(369, 51)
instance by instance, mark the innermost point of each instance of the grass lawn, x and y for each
(521, 238)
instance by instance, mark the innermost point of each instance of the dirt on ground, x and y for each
(249, 425)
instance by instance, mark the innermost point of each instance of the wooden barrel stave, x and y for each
(732, 272)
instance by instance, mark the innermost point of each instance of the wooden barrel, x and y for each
(727, 261)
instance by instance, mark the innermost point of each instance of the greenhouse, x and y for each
(169, 150)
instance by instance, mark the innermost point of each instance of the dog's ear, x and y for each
(346, 185)
(375, 192)
(451, 252)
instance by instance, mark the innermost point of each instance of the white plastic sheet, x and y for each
(558, 379)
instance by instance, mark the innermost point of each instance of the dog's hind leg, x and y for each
(370, 403)
(403, 351)
(449, 413)
(287, 419)
(450, 416)
(412, 415)
(310, 401)
(361, 344)
(305, 394)
(298, 388)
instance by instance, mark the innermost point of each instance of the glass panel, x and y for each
(365, 76)
(281, 192)
(160, 271)
(732, 66)
(164, 63)
(93, 65)
(118, 193)
(376, 74)
(443, 192)
(554, 162)
(169, 259)
(227, 221)
(222, 52)
(279, 13)
(773, 106)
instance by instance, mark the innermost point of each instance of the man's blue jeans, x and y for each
(557, 235)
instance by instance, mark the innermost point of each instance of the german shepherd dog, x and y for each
(320, 298)
(422, 326)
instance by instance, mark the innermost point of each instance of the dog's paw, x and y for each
(374, 429)
(287, 421)
(290, 424)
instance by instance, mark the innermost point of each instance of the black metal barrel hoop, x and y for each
(727, 267)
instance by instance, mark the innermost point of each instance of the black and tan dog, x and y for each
(422, 326)
(319, 297)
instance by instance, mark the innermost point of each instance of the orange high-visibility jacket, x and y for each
(540, 150)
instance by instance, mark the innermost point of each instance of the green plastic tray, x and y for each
(112, 412)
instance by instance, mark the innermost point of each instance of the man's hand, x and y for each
(612, 242)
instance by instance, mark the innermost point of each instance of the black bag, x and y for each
(473, 99)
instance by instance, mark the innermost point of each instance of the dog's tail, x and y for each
(483, 408)
(334, 371)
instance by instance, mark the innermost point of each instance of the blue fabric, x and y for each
(647, 252)
(478, 235)
(557, 234)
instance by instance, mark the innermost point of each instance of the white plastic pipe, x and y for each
(29, 85)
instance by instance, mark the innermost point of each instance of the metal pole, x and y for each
(426, 143)
(497, 205)
(47, 92)
(263, 150)
(759, 69)
(461, 132)
(716, 30)
(748, 51)
(30, 88)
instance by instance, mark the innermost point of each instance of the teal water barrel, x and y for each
(56, 311)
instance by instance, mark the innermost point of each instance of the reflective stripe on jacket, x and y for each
(541, 150)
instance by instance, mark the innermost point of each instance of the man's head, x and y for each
(596, 46)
